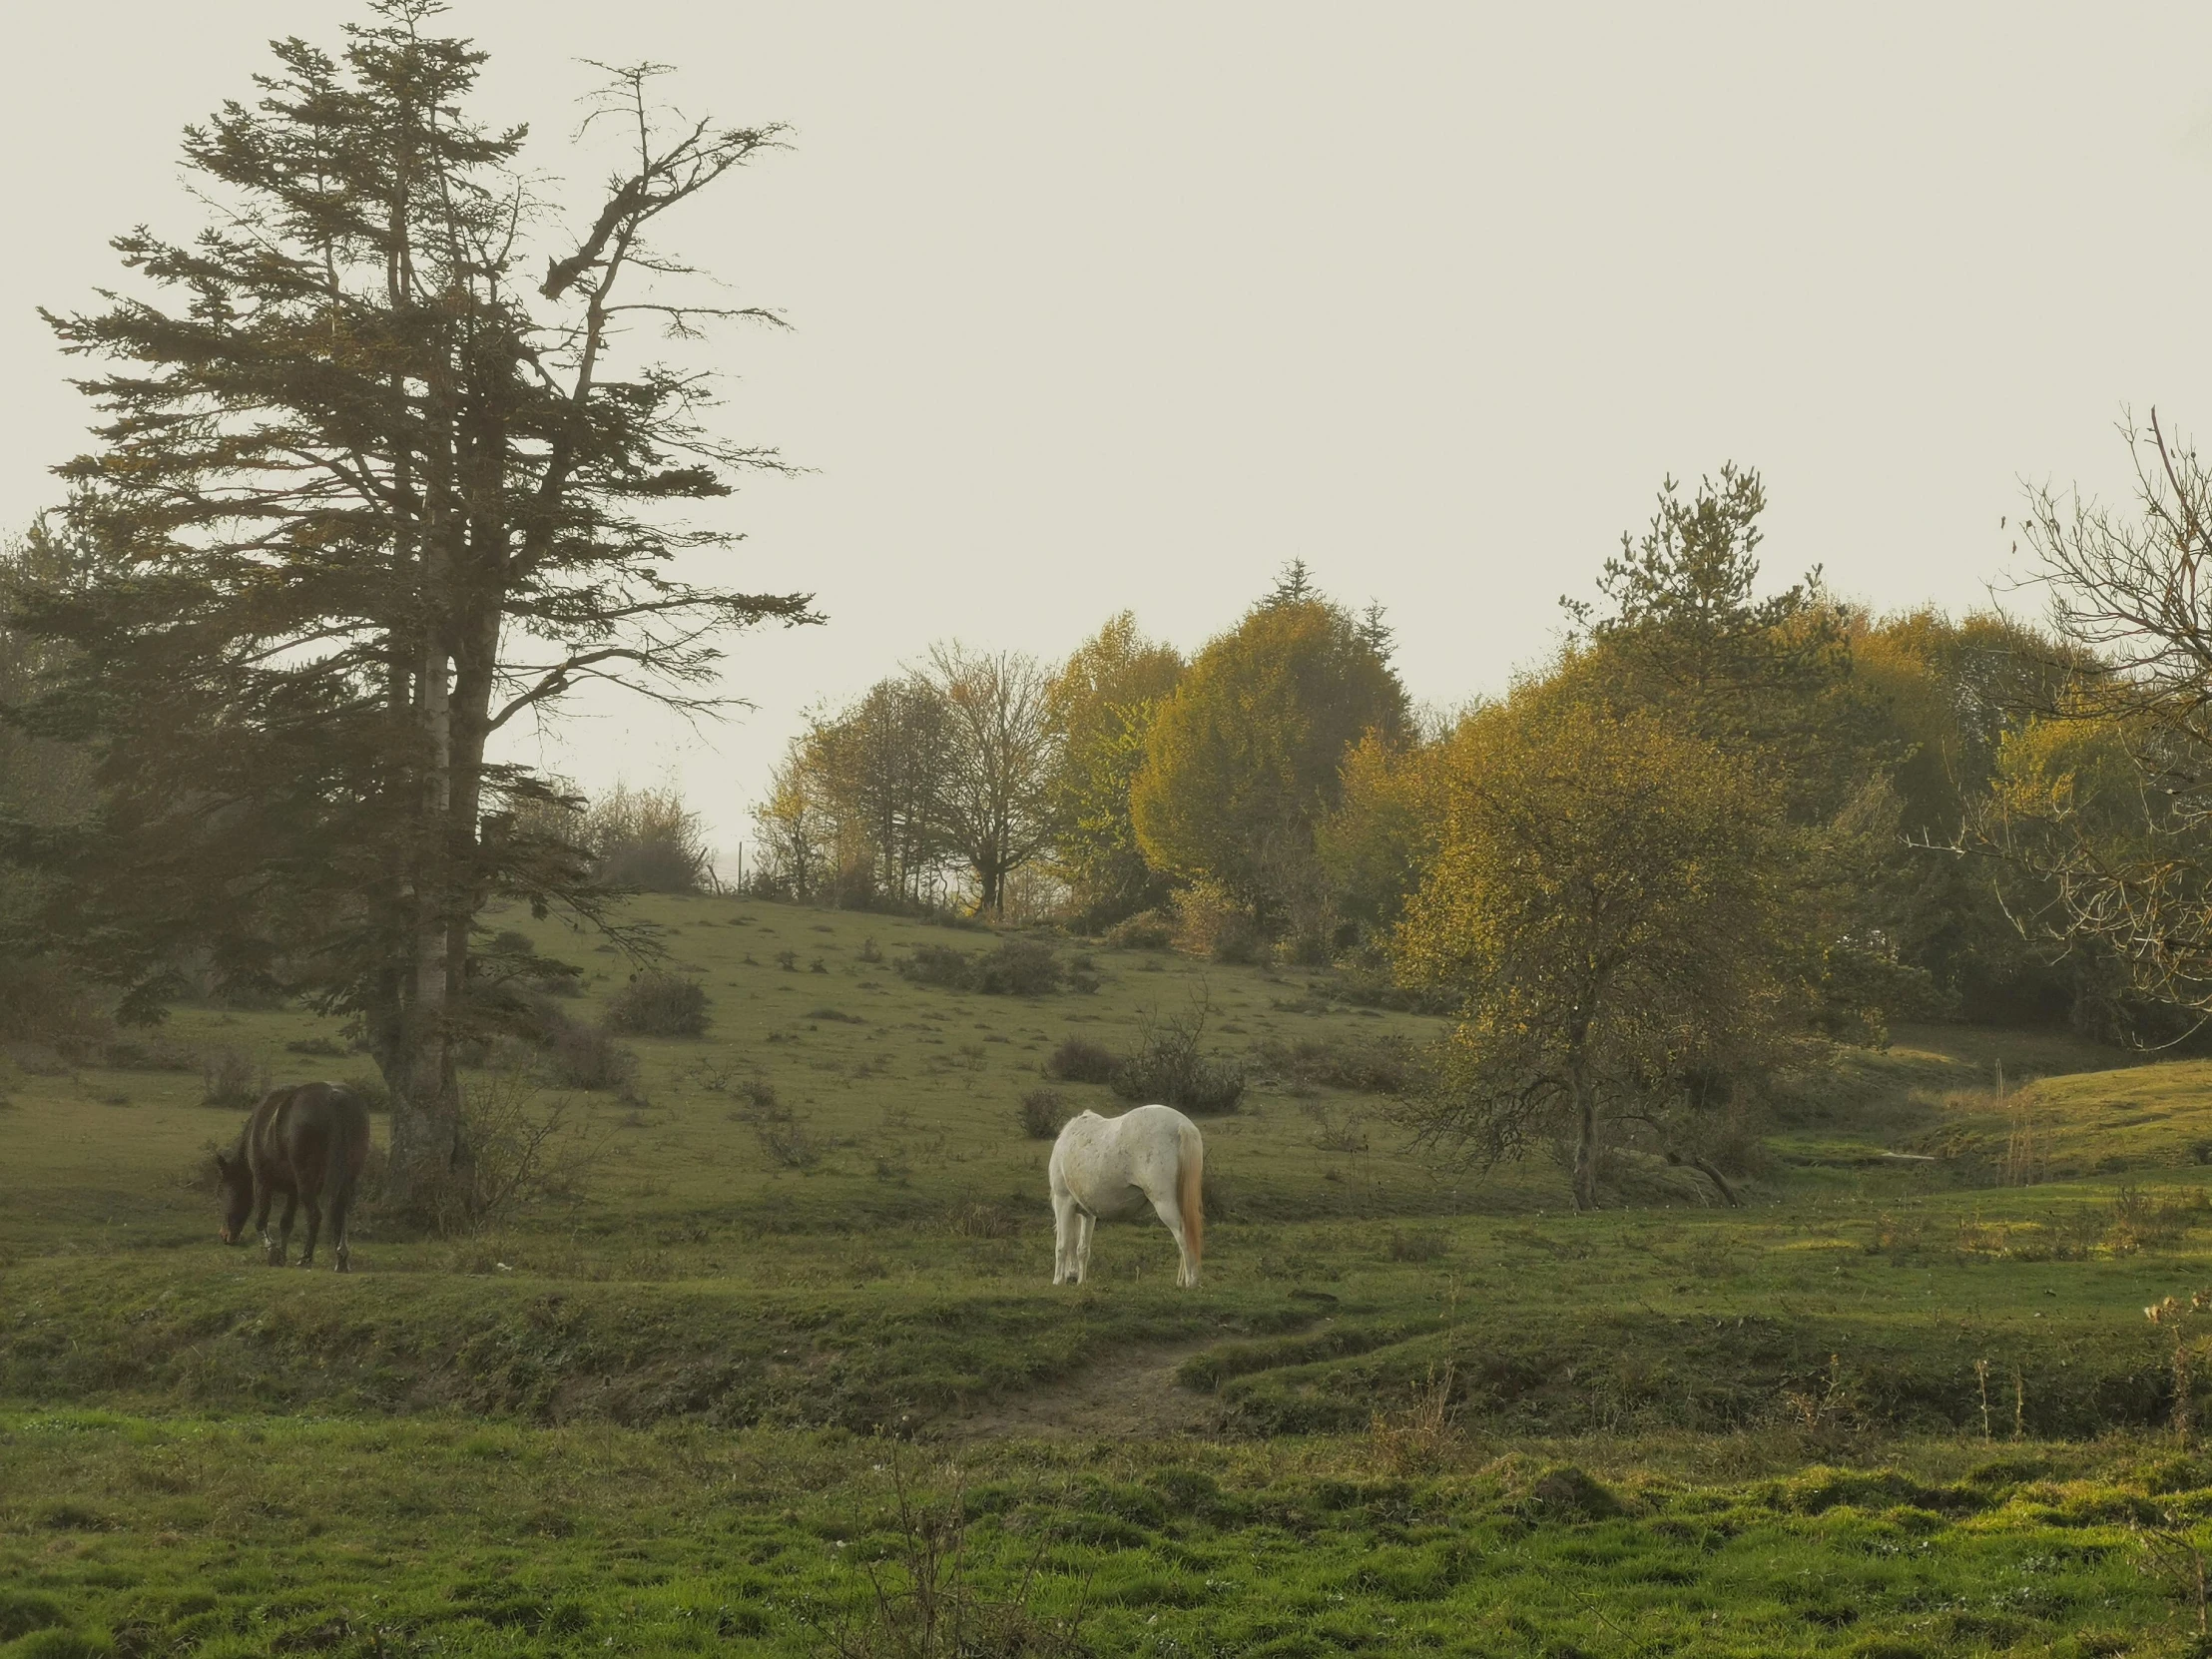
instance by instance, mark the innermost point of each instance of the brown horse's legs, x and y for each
(283, 1251)
(314, 1230)
(269, 1252)
(339, 1202)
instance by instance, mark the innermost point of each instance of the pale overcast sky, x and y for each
(1104, 307)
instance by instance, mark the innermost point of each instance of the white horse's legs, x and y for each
(1067, 1227)
(1085, 1225)
(1170, 1212)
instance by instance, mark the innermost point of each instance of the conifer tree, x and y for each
(363, 495)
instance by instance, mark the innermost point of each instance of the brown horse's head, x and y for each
(237, 1194)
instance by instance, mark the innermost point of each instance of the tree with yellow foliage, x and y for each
(1604, 905)
(1246, 758)
(1099, 709)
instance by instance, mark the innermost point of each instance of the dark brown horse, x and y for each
(307, 1142)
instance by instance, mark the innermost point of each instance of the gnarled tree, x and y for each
(2102, 804)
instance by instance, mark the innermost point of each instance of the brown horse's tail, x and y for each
(348, 1155)
(1191, 1189)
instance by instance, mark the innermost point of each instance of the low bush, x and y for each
(1018, 967)
(1370, 1065)
(1041, 1113)
(1145, 931)
(1171, 1067)
(367, 1086)
(657, 1003)
(645, 839)
(940, 965)
(1211, 925)
(579, 1057)
(41, 1002)
(1365, 985)
(1078, 1060)
(152, 1054)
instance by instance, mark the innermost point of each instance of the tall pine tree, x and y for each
(363, 494)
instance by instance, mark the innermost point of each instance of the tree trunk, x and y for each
(1586, 1144)
(425, 1131)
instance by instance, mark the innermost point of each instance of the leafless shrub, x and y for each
(1418, 1438)
(229, 1077)
(789, 1142)
(922, 1604)
(1041, 1113)
(518, 1150)
(759, 1097)
(1345, 1134)
(1171, 1067)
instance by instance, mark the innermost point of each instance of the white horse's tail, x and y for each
(1191, 1189)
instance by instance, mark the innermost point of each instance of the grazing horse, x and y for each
(1106, 1168)
(307, 1142)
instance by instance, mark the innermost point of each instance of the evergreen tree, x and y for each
(360, 500)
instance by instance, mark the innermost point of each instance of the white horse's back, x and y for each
(1105, 1168)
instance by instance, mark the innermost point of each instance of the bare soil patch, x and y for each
(1130, 1396)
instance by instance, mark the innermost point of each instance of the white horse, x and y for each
(1106, 1168)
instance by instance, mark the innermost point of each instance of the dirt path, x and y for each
(1130, 1396)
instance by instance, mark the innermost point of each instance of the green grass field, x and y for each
(1904, 1402)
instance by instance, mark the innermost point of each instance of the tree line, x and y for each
(1721, 822)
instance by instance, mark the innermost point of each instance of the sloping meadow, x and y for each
(1910, 1402)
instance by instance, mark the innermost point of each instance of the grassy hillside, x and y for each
(1409, 1408)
